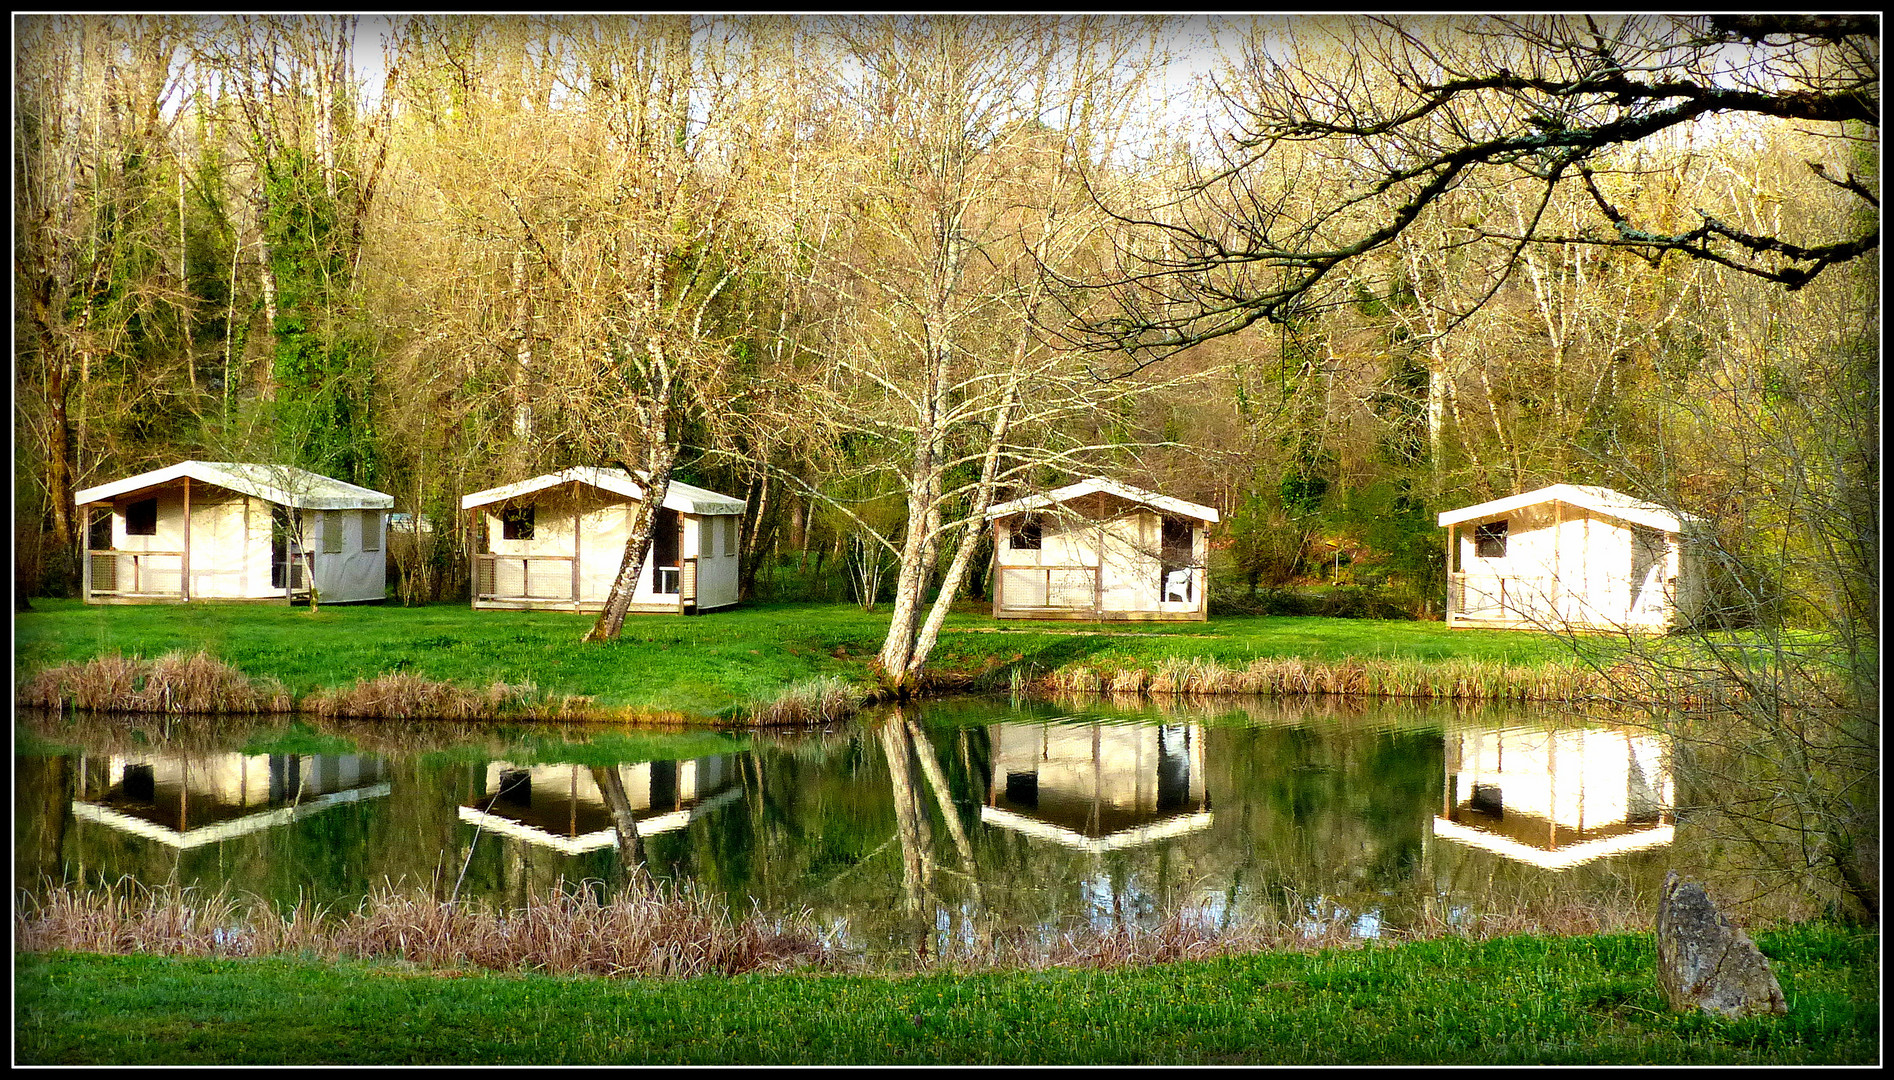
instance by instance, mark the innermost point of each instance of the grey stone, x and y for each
(1704, 962)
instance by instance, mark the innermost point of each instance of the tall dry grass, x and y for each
(197, 683)
(1463, 679)
(659, 932)
(404, 695)
(176, 682)
(817, 701)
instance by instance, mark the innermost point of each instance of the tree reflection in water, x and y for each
(938, 830)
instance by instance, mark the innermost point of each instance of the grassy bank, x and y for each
(777, 663)
(1521, 1000)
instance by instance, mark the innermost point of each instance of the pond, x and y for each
(902, 830)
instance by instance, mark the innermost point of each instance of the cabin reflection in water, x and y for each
(188, 801)
(561, 806)
(1556, 798)
(1097, 787)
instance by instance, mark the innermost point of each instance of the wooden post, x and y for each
(85, 554)
(184, 584)
(472, 545)
(578, 519)
(1558, 558)
(1451, 549)
(999, 577)
(1098, 576)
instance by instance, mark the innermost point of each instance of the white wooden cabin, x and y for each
(1571, 557)
(211, 530)
(1556, 798)
(1099, 549)
(556, 541)
(1097, 787)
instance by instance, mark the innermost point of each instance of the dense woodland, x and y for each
(874, 274)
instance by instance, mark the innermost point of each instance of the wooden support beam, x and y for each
(184, 584)
(85, 554)
(999, 578)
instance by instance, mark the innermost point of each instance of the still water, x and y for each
(930, 821)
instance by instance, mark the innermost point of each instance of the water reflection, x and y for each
(565, 807)
(914, 829)
(1555, 798)
(1097, 787)
(188, 801)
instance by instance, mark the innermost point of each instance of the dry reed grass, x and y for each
(817, 701)
(404, 695)
(179, 683)
(176, 682)
(1191, 934)
(662, 932)
(1462, 679)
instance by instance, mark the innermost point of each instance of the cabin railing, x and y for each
(679, 581)
(1500, 597)
(553, 579)
(1611, 601)
(135, 573)
(1067, 587)
(523, 577)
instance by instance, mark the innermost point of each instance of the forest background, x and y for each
(874, 274)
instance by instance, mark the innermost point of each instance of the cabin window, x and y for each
(141, 518)
(1489, 540)
(516, 523)
(706, 538)
(1028, 533)
(371, 530)
(99, 531)
(730, 536)
(332, 526)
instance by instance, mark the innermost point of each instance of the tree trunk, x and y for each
(659, 458)
(624, 823)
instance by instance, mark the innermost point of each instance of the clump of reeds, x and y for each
(656, 931)
(176, 682)
(1462, 679)
(815, 701)
(1075, 677)
(404, 695)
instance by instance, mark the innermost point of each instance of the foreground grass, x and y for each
(711, 665)
(1519, 1000)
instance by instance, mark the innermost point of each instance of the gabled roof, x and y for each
(1112, 487)
(281, 484)
(679, 496)
(1601, 499)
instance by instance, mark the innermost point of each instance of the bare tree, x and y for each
(972, 133)
(1393, 117)
(93, 239)
(599, 223)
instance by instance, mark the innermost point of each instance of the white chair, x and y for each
(1177, 586)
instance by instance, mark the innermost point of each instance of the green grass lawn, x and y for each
(705, 665)
(1522, 1000)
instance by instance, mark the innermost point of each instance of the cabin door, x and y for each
(664, 550)
(1175, 581)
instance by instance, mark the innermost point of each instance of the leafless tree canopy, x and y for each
(1341, 135)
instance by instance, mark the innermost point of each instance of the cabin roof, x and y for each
(1601, 499)
(1112, 487)
(285, 485)
(679, 496)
